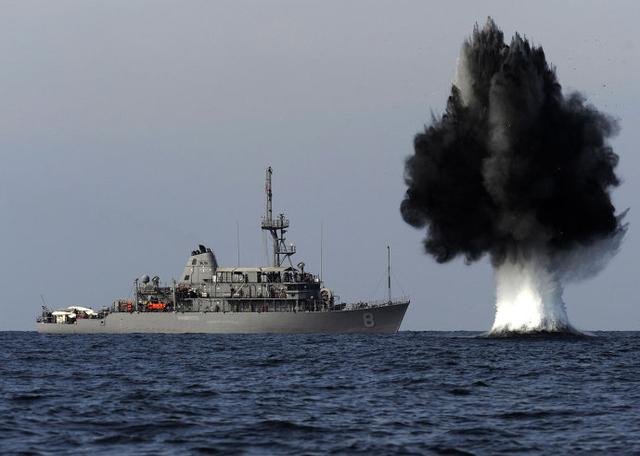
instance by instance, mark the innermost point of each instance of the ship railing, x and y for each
(277, 223)
(376, 303)
(287, 249)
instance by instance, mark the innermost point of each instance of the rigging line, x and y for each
(393, 274)
(321, 247)
(382, 276)
(238, 242)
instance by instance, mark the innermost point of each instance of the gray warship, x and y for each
(280, 298)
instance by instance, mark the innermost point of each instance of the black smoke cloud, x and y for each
(512, 163)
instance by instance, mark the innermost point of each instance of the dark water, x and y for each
(420, 393)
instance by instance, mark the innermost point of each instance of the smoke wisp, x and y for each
(517, 170)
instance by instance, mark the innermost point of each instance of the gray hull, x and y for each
(381, 320)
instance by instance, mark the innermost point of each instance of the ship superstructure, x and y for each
(278, 298)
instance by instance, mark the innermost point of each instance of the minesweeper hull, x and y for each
(380, 320)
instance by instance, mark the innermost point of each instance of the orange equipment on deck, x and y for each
(156, 306)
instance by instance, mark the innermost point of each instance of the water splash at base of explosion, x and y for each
(529, 296)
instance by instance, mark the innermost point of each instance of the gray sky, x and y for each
(130, 131)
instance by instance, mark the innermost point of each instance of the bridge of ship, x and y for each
(288, 275)
(258, 283)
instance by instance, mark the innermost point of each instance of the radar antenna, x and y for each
(276, 227)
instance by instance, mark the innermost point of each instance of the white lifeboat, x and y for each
(78, 309)
(63, 316)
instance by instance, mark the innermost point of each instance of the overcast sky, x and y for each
(131, 131)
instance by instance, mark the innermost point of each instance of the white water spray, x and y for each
(529, 283)
(529, 296)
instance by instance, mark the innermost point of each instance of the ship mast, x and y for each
(276, 227)
(389, 273)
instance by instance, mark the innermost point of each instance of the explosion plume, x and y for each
(517, 170)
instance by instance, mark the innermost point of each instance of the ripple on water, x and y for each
(413, 393)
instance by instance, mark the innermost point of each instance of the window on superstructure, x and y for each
(186, 277)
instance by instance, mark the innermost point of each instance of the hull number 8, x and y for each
(367, 319)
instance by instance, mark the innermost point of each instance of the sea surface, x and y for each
(410, 393)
